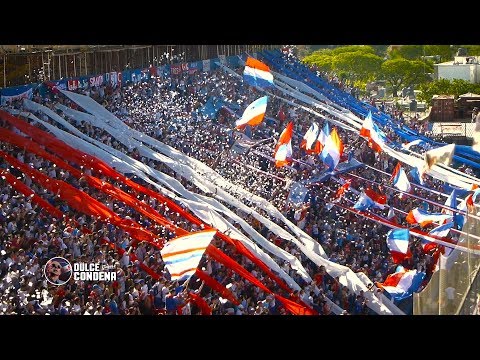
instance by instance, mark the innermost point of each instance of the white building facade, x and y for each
(462, 67)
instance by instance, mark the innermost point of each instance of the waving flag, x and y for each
(322, 138)
(475, 194)
(427, 246)
(400, 180)
(257, 73)
(182, 254)
(451, 202)
(376, 138)
(342, 189)
(402, 284)
(253, 114)
(369, 199)
(442, 155)
(467, 206)
(309, 138)
(332, 150)
(283, 150)
(424, 218)
(442, 230)
(397, 242)
(415, 174)
(417, 142)
(378, 199)
(391, 214)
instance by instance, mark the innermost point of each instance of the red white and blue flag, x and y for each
(400, 180)
(182, 254)
(397, 242)
(256, 73)
(332, 150)
(402, 284)
(442, 230)
(375, 137)
(369, 199)
(424, 218)
(253, 114)
(322, 138)
(283, 150)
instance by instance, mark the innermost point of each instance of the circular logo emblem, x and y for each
(58, 270)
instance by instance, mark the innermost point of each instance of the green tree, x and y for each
(409, 52)
(454, 87)
(322, 61)
(303, 50)
(445, 52)
(359, 65)
(353, 48)
(401, 73)
(380, 50)
(472, 50)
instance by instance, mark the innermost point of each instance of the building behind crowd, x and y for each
(462, 67)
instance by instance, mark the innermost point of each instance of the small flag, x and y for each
(415, 174)
(322, 137)
(451, 202)
(427, 246)
(403, 284)
(369, 199)
(391, 213)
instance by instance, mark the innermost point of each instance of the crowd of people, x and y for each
(170, 109)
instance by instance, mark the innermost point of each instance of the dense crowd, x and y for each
(170, 110)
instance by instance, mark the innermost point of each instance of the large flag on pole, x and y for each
(375, 137)
(253, 114)
(397, 242)
(368, 199)
(332, 150)
(442, 230)
(442, 155)
(182, 254)
(283, 150)
(256, 73)
(424, 218)
(402, 284)
(400, 180)
(451, 202)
